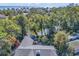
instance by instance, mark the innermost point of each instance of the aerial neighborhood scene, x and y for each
(39, 29)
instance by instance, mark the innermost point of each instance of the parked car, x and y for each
(74, 37)
(33, 37)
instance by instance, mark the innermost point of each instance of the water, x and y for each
(10, 7)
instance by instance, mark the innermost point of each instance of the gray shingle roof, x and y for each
(2, 16)
(27, 49)
(32, 50)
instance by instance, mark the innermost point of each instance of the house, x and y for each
(2, 16)
(28, 49)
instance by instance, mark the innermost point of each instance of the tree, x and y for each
(10, 27)
(60, 41)
(21, 21)
(5, 49)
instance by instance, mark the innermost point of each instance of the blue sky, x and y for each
(35, 4)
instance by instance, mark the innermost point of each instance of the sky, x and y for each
(35, 4)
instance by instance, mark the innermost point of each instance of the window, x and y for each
(37, 52)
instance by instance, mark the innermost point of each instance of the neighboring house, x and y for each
(25, 14)
(57, 28)
(28, 49)
(2, 16)
(44, 32)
